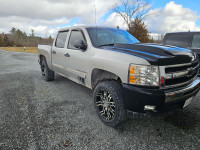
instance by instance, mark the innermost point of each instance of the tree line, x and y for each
(18, 38)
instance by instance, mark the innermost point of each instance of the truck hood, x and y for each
(156, 54)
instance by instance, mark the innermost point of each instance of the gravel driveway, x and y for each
(35, 114)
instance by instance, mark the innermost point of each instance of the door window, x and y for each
(61, 38)
(196, 41)
(75, 35)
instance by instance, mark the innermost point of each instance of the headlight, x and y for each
(144, 75)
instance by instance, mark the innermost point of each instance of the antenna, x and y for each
(96, 24)
(95, 14)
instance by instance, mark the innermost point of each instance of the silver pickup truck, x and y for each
(125, 75)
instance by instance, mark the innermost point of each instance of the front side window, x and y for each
(75, 35)
(61, 38)
(178, 40)
(108, 36)
(196, 41)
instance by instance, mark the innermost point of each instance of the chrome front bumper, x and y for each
(185, 93)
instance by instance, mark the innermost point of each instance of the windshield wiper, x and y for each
(111, 44)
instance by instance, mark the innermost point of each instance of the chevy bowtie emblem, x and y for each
(190, 72)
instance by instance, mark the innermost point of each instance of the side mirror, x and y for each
(80, 44)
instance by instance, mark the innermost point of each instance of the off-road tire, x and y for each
(116, 93)
(47, 74)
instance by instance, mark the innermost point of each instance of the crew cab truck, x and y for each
(125, 75)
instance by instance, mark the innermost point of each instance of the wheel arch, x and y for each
(41, 57)
(102, 75)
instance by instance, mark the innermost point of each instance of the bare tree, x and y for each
(130, 9)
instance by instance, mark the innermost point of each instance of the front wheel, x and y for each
(108, 101)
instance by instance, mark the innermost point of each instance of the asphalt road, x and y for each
(35, 114)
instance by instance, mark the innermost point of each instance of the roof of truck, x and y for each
(184, 32)
(84, 26)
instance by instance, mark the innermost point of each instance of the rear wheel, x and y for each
(47, 74)
(108, 101)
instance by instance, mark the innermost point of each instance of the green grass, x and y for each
(21, 49)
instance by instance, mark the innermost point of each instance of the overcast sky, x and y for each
(46, 16)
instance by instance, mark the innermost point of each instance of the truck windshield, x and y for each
(108, 36)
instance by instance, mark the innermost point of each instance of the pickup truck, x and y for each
(190, 40)
(126, 76)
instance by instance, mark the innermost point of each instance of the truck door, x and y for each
(79, 59)
(59, 59)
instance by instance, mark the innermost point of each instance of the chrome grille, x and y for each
(180, 75)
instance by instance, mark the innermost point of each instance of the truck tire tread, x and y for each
(116, 90)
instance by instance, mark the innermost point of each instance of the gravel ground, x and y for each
(35, 114)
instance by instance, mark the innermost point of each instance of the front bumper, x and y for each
(137, 98)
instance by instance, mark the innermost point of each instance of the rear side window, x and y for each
(178, 40)
(61, 38)
(196, 41)
(75, 35)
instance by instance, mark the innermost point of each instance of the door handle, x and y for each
(67, 55)
(53, 52)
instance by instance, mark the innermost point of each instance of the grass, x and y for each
(21, 49)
